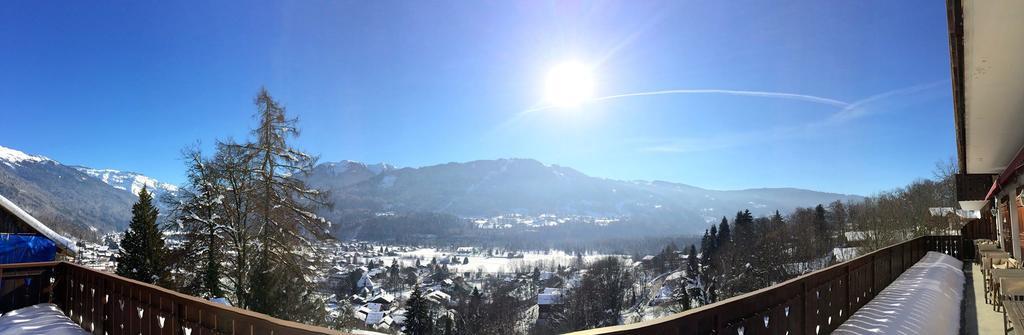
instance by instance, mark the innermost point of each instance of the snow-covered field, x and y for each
(483, 263)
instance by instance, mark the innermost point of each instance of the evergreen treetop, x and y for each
(142, 248)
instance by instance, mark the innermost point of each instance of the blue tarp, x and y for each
(23, 248)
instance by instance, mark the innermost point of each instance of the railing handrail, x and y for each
(816, 277)
(181, 297)
(29, 265)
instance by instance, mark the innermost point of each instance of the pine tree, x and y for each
(709, 267)
(724, 234)
(266, 282)
(743, 232)
(417, 314)
(681, 297)
(447, 325)
(198, 215)
(283, 209)
(471, 318)
(692, 265)
(142, 247)
(692, 285)
(822, 231)
(775, 248)
(394, 275)
(744, 257)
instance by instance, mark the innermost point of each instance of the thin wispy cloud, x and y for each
(763, 94)
(847, 113)
(859, 108)
(705, 91)
(702, 91)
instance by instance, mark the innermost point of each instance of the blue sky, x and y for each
(853, 97)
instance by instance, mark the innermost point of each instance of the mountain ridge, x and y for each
(483, 188)
(71, 199)
(87, 199)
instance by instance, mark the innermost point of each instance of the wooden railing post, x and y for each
(61, 290)
(849, 298)
(807, 313)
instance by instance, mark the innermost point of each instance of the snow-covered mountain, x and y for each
(345, 173)
(85, 199)
(130, 181)
(14, 158)
(76, 200)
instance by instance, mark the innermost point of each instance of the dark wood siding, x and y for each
(11, 224)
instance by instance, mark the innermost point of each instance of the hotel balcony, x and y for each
(907, 288)
(815, 303)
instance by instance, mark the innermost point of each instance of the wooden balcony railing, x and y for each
(815, 303)
(104, 303)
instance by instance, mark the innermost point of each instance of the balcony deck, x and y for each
(978, 317)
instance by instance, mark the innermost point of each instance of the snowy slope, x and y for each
(73, 199)
(13, 158)
(129, 181)
(65, 199)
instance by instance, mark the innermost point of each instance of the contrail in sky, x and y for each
(845, 111)
(763, 94)
(850, 111)
(791, 96)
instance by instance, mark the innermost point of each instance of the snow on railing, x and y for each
(815, 303)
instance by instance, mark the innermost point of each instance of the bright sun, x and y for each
(569, 84)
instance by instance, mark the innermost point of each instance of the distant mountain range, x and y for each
(130, 181)
(81, 200)
(72, 199)
(488, 188)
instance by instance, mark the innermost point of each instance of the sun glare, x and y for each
(569, 84)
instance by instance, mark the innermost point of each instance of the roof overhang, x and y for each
(62, 242)
(987, 63)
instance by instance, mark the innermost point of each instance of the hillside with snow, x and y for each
(80, 201)
(130, 181)
(89, 199)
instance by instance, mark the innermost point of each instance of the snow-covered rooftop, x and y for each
(550, 296)
(61, 241)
